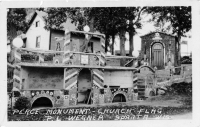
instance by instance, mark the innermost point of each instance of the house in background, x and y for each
(39, 38)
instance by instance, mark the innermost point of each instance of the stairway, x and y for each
(141, 88)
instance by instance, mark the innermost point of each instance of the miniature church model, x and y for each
(159, 49)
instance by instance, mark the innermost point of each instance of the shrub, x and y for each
(182, 88)
(22, 103)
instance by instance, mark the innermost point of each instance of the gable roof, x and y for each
(156, 32)
(41, 14)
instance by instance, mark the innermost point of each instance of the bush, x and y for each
(186, 60)
(22, 103)
(182, 88)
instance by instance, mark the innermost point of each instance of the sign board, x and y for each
(84, 59)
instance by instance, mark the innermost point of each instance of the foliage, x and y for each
(134, 17)
(180, 89)
(29, 57)
(16, 21)
(22, 103)
(178, 16)
(186, 60)
(55, 17)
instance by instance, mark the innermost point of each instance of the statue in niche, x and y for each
(84, 47)
(58, 47)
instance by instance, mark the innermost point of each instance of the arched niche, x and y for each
(42, 102)
(84, 86)
(119, 97)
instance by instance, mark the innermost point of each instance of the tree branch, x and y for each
(138, 18)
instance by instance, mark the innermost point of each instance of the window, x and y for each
(37, 24)
(38, 39)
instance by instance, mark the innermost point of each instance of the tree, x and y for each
(55, 18)
(133, 17)
(180, 22)
(16, 24)
(16, 21)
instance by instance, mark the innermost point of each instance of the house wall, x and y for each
(118, 78)
(42, 78)
(165, 40)
(34, 31)
(77, 42)
(96, 44)
(53, 42)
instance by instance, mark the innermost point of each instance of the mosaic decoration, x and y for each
(16, 77)
(17, 56)
(71, 75)
(73, 95)
(66, 98)
(102, 44)
(59, 99)
(94, 60)
(57, 59)
(67, 53)
(96, 93)
(98, 77)
(119, 89)
(37, 94)
(66, 92)
(43, 92)
(96, 87)
(130, 94)
(107, 96)
(135, 78)
(101, 96)
(120, 92)
(101, 57)
(27, 94)
(41, 57)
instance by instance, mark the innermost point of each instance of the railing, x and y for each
(61, 57)
(115, 60)
(167, 77)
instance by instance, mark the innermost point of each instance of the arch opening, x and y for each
(84, 86)
(119, 98)
(42, 102)
(157, 55)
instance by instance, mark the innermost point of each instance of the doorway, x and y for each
(158, 55)
(84, 87)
